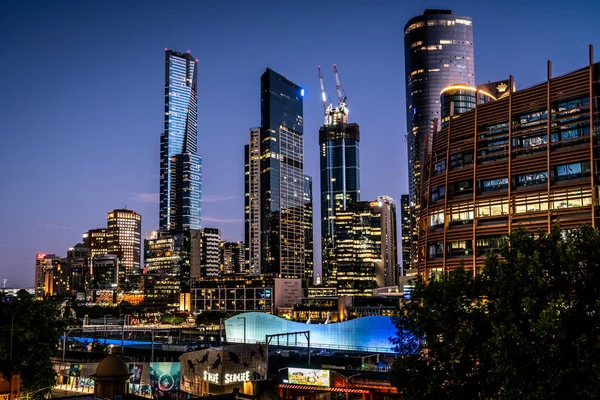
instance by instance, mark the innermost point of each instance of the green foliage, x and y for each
(36, 330)
(525, 328)
(172, 319)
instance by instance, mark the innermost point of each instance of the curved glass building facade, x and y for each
(438, 52)
(361, 334)
(458, 99)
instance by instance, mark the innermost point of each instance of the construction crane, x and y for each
(340, 91)
(323, 95)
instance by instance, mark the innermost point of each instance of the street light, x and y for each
(244, 318)
(65, 333)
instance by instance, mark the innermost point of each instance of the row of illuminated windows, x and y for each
(522, 204)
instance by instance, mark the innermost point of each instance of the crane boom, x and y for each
(323, 95)
(338, 85)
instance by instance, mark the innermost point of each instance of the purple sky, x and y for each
(82, 97)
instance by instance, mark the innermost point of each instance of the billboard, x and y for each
(309, 377)
(165, 379)
(136, 373)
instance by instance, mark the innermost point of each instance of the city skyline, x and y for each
(72, 133)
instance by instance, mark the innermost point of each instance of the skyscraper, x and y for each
(438, 52)
(281, 177)
(252, 210)
(340, 175)
(366, 255)
(405, 229)
(308, 230)
(211, 254)
(180, 165)
(123, 239)
(232, 257)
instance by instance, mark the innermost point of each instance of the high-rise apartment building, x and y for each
(281, 177)
(78, 258)
(180, 165)
(252, 204)
(232, 258)
(123, 239)
(340, 175)
(438, 52)
(527, 159)
(211, 252)
(308, 230)
(366, 252)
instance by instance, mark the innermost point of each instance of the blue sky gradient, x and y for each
(82, 99)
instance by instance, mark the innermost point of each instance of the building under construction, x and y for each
(527, 159)
(340, 171)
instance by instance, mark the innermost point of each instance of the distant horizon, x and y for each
(84, 99)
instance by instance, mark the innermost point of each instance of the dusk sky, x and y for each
(83, 96)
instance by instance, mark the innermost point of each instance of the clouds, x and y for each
(153, 198)
(207, 218)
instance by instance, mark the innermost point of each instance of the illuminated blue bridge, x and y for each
(371, 334)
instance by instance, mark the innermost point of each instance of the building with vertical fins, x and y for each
(252, 204)
(308, 230)
(281, 177)
(438, 52)
(523, 159)
(340, 171)
(180, 165)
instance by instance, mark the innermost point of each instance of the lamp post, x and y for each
(64, 346)
(244, 318)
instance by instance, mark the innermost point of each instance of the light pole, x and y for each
(244, 318)
(64, 346)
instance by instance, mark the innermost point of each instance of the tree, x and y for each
(527, 327)
(35, 328)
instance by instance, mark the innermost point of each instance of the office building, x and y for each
(233, 259)
(523, 160)
(252, 204)
(366, 255)
(104, 271)
(210, 253)
(97, 241)
(46, 266)
(308, 230)
(405, 213)
(281, 177)
(438, 52)
(180, 165)
(340, 175)
(235, 293)
(123, 239)
(78, 260)
(171, 261)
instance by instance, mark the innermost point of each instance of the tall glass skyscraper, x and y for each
(438, 52)
(340, 177)
(308, 230)
(281, 177)
(180, 165)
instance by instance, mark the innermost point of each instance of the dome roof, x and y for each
(112, 366)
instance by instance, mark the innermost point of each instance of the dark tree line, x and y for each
(527, 327)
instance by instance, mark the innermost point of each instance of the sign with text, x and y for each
(309, 377)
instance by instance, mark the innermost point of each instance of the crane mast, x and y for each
(338, 85)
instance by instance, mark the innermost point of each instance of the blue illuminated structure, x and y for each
(370, 334)
(180, 165)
